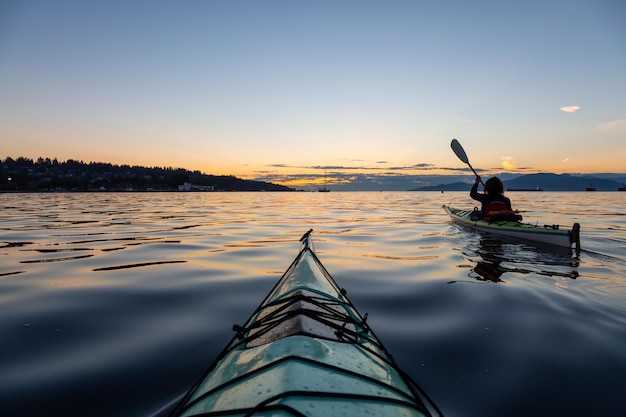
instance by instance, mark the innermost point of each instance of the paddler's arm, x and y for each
(474, 191)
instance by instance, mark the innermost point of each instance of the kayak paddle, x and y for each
(460, 152)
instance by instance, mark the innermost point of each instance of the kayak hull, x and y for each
(305, 351)
(551, 235)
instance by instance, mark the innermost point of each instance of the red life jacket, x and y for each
(496, 207)
(498, 210)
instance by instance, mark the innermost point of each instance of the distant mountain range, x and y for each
(543, 182)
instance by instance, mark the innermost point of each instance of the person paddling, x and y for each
(494, 204)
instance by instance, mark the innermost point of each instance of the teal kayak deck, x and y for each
(549, 234)
(306, 351)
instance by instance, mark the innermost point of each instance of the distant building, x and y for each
(187, 186)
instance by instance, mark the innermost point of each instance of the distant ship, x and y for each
(590, 187)
(324, 188)
(525, 189)
(622, 188)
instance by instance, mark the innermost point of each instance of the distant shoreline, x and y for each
(269, 191)
(138, 191)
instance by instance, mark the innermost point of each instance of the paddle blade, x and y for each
(459, 151)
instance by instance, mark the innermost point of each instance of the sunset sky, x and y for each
(264, 89)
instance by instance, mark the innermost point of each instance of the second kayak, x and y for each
(305, 351)
(550, 234)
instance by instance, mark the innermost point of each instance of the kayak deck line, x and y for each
(305, 351)
(402, 399)
(550, 234)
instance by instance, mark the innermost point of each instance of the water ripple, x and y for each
(136, 265)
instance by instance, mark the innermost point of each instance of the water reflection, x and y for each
(494, 257)
(488, 271)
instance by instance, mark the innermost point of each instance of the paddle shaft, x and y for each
(481, 180)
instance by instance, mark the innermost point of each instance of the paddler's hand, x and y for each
(477, 179)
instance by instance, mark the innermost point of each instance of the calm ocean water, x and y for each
(113, 304)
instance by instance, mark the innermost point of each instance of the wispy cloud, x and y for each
(412, 167)
(364, 177)
(280, 166)
(566, 159)
(570, 109)
(611, 125)
(372, 168)
(508, 163)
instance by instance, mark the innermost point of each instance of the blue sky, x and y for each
(264, 89)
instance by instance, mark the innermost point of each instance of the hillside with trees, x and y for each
(45, 174)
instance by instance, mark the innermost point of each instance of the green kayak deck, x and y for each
(305, 351)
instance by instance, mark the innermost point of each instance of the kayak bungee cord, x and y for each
(324, 314)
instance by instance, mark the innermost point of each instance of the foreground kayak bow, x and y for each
(305, 351)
